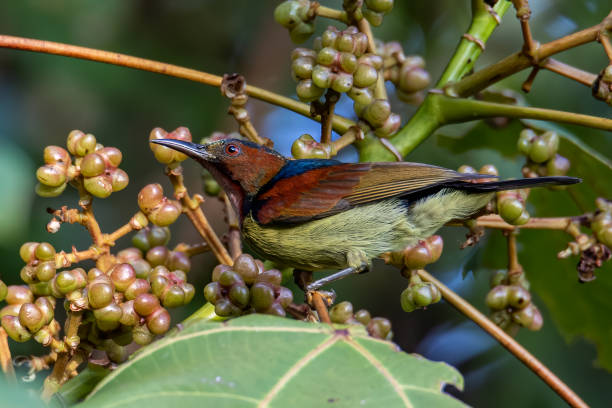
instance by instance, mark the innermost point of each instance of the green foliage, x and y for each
(257, 359)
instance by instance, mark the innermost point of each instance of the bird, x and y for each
(323, 214)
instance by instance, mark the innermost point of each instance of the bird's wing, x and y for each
(309, 193)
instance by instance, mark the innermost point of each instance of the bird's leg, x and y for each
(337, 276)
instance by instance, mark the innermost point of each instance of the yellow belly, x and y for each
(363, 232)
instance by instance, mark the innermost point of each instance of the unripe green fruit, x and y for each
(178, 261)
(93, 274)
(99, 186)
(218, 270)
(31, 317)
(3, 291)
(224, 307)
(229, 278)
(529, 317)
(18, 294)
(46, 191)
(342, 312)
(212, 292)
(99, 294)
(307, 91)
(413, 79)
(362, 96)
(379, 6)
(377, 112)
(379, 327)
(246, 267)
(66, 282)
(56, 154)
(111, 155)
(327, 56)
(141, 267)
(522, 219)
(497, 298)
(406, 300)
(365, 76)
(189, 292)
(348, 62)
(174, 296)
(45, 252)
(262, 296)
(119, 180)
(284, 297)
(373, 17)
(28, 274)
(540, 150)
(145, 304)
(342, 82)
(129, 317)
(27, 251)
(302, 67)
(239, 295)
(137, 287)
(15, 329)
(122, 275)
(363, 316)
(109, 314)
(557, 166)
(276, 310)
(423, 294)
(272, 276)
(166, 214)
(510, 209)
(322, 76)
(41, 288)
(305, 147)
(150, 196)
(142, 335)
(157, 255)
(128, 254)
(10, 310)
(51, 175)
(46, 305)
(45, 271)
(158, 322)
(390, 126)
(518, 297)
(92, 165)
(525, 139)
(81, 144)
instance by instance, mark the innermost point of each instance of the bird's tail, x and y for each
(491, 186)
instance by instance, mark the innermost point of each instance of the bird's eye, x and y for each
(232, 150)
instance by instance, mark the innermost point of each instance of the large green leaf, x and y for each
(268, 361)
(578, 309)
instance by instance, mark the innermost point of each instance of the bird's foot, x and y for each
(364, 267)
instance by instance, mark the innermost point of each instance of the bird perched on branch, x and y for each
(317, 214)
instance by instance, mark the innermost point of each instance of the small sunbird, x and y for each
(315, 214)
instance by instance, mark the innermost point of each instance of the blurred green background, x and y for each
(43, 97)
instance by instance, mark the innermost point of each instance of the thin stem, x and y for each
(519, 61)
(59, 375)
(5, 357)
(320, 307)
(507, 341)
(348, 138)
(456, 110)
(523, 13)
(340, 123)
(191, 250)
(234, 242)
(568, 71)
(496, 222)
(604, 39)
(326, 112)
(192, 208)
(92, 225)
(134, 224)
(334, 14)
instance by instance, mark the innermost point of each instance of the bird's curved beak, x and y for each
(193, 150)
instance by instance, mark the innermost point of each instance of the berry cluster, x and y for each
(247, 287)
(416, 256)
(407, 73)
(164, 154)
(541, 152)
(419, 294)
(295, 16)
(510, 302)
(378, 327)
(95, 167)
(158, 208)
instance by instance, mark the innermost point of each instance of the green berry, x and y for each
(327, 56)
(510, 209)
(45, 271)
(119, 180)
(158, 322)
(239, 295)
(322, 76)
(377, 112)
(218, 270)
(174, 296)
(518, 297)
(46, 191)
(540, 150)
(157, 255)
(189, 292)
(557, 166)
(529, 317)
(129, 317)
(497, 298)
(526, 137)
(92, 165)
(139, 286)
(51, 175)
(31, 317)
(379, 327)
(46, 305)
(272, 276)
(341, 313)
(3, 291)
(362, 96)
(142, 335)
(122, 275)
(262, 296)
(363, 316)
(178, 261)
(166, 214)
(145, 304)
(15, 329)
(284, 297)
(348, 62)
(379, 6)
(342, 82)
(99, 294)
(213, 292)
(45, 252)
(365, 76)
(18, 294)
(246, 267)
(406, 300)
(229, 278)
(150, 197)
(224, 307)
(413, 79)
(27, 251)
(99, 186)
(307, 91)
(108, 315)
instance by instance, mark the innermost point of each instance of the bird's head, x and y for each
(240, 167)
